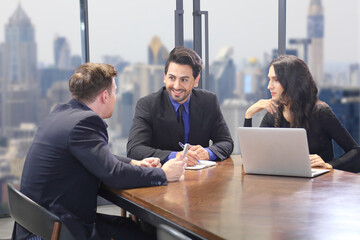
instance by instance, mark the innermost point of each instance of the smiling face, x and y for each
(179, 81)
(274, 85)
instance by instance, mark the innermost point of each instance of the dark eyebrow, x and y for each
(182, 77)
(269, 77)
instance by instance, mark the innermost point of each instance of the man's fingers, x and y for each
(193, 154)
(194, 147)
(144, 164)
(179, 157)
(191, 161)
(151, 160)
(156, 162)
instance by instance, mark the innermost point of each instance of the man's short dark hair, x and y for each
(90, 79)
(185, 56)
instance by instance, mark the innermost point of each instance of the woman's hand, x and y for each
(267, 104)
(317, 161)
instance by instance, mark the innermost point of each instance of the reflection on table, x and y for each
(223, 202)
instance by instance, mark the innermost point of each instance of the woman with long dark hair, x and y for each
(295, 103)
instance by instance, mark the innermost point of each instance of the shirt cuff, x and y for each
(171, 156)
(248, 122)
(212, 155)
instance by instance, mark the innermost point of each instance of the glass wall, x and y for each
(327, 38)
(40, 47)
(139, 36)
(136, 37)
(39, 50)
(243, 38)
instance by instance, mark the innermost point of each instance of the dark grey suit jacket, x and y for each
(68, 160)
(154, 131)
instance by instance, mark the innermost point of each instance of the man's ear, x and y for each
(104, 96)
(197, 81)
(164, 78)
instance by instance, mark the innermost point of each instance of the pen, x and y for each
(182, 146)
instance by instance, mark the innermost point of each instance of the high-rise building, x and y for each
(315, 32)
(189, 44)
(145, 79)
(290, 50)
(354, 74)
(157, 52)
(48, 76)
(223, 74)
(127, 110)
(75, 61)
(254, 80)
(345, 102)
(18, 75)
(58, 93)
(20, 107)
(19, 49)
(62, 57)
(302, 47)
(117, 61)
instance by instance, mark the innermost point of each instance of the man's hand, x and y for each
(147, 162)
(175, 168)
(201, 152)
(191, 157)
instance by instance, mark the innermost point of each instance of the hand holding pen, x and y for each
(191, 156)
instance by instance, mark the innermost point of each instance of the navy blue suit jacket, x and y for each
(154, 131)
(69, 159)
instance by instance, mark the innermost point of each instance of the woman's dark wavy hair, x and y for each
(300, 90)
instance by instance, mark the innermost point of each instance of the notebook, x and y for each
(202, 164)
(276, 151)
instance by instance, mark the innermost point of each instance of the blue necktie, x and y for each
(181, 122)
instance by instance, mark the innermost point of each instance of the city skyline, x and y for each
(137, 44)
(129, 34)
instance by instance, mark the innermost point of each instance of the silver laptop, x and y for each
(276, 151)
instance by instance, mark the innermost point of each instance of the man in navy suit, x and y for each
(70, 157)
(180, 113)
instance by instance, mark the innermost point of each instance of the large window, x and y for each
(136, 37)
(40, 46)
(39, 49)
(326, 35)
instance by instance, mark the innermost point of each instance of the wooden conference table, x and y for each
(223, 202)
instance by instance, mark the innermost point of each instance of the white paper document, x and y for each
(201, 165)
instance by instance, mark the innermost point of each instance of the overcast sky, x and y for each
(125, 28)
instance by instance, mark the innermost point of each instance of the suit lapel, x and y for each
(196, 116)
